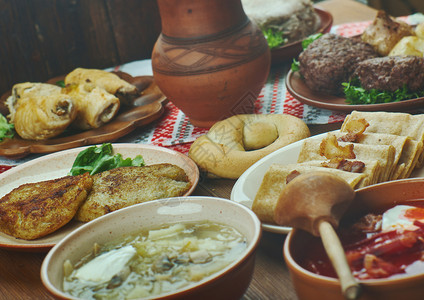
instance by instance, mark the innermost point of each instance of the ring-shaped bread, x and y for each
(232, 145)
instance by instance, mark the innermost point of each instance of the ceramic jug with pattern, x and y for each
(210, 60)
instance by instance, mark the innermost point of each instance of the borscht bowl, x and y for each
(175, 248)
(384, 248)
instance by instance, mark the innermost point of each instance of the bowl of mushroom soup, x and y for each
(184, 247)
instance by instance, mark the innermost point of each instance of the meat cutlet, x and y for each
(331, 60)
(34, 210)
(125, 186)
(390, 73)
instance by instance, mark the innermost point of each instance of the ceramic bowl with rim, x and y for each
(228, 283)
(286, 53)
(373, 198)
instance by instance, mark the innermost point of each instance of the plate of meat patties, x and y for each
(87, 106)
(375, 71)
(299, 90)
(40, 203)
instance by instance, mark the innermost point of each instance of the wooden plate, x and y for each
(297, 87)
(146, 108)
(292, 50)
(58, 164)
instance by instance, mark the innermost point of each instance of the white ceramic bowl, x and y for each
(229, 283)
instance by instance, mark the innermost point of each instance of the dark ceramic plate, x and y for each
(297, 87)
(289, 51)
(146, 108)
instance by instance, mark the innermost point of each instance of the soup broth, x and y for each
(154, 262)
(387, 244)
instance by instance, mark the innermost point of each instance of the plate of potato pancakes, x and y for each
(41, 202)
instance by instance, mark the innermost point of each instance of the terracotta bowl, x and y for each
(229, 283)
(374, 198)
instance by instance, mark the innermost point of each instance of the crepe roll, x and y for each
(402, 124)
(276, 178)
(384, 154)
(95, 106)
(372, 169)
(105, 80)
(40, 111)
(407, 150)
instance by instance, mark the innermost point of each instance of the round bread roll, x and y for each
(234, 144)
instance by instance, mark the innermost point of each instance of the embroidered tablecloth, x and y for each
(173, 129)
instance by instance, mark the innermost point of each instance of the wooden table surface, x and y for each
(19, 271)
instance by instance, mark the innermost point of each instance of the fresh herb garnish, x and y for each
(307, 41)
(61, 83)
(295, 66)
(6, 129)
(98, 159)
(274, 37)
(355, 94)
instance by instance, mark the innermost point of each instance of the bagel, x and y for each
(234, 144)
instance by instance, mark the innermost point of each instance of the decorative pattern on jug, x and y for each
(206, 54)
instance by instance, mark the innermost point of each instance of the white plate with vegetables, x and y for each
(60, 163)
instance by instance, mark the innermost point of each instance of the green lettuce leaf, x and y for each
(307, 41)
(274, 38)
(6, 129)
(96, 159)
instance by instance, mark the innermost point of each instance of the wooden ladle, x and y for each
(315, 202)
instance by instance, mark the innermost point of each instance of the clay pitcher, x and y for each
(210, 60)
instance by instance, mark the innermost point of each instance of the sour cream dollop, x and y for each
(105, 266)
(402, 217)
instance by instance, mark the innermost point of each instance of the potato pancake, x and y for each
(34, 210)
(125, 186)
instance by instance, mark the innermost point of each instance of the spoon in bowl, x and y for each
(315, 202)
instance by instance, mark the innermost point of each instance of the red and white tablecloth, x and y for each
(173, 130)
